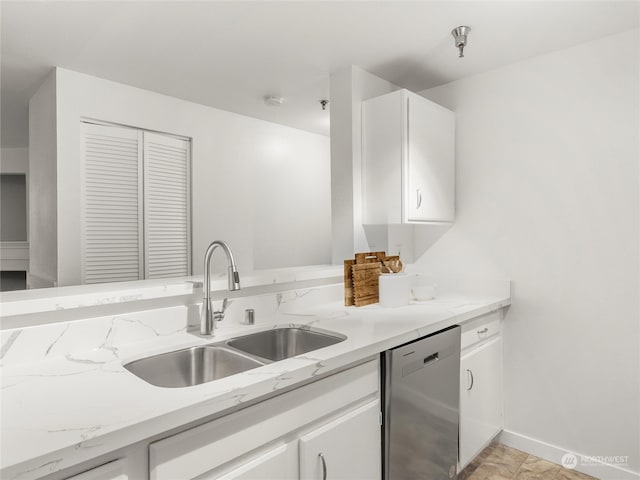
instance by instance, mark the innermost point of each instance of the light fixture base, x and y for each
(460, 35)
(273, 100)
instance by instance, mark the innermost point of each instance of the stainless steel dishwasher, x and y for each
(421, 389)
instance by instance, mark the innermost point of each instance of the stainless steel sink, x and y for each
(284, 342)
(191, 366)
(205, 363)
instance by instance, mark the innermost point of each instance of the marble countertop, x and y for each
(70, 408)
(23, 302)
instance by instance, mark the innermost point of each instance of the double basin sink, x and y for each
(205, 363)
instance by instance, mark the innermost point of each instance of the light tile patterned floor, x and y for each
(499, 462)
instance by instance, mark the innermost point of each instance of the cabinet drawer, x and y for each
(480, 329)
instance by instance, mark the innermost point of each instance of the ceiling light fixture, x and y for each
(273, 100)
(460, 35)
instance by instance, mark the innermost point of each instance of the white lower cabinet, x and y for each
(481, 411)
(115, 470)
(346, 448)
(280, 463)
(281, 438)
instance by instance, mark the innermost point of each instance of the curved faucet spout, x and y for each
(208, 316)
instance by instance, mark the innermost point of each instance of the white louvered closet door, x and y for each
(166, 206)
(112, 204)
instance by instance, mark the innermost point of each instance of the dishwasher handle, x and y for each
(421, 363)
(434, 357)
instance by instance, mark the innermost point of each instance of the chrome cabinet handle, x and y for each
(483, 331)
(418, 198)
(324, 466)
(470, 378)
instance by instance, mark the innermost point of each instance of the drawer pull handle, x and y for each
(483, 331)
(418, 198)
(324, 466)
(470, 383)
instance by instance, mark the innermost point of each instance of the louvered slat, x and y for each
(111, 248)
(167, 215)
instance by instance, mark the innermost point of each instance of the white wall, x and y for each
(547, 182)
(349, 87)
(291, 191)
(260, 186)
(14, 160)
(43, 264)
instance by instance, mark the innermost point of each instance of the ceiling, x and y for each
(231, 54)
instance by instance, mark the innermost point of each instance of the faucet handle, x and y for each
(218, 315)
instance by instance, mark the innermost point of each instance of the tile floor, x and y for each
(499, 462)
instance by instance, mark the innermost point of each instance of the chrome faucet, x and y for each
(209, 317)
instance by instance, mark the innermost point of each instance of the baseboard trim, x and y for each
(553, 453)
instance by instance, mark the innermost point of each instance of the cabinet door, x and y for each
(430, 171)
(115, 470)
(280, 463)
(167, 217)
(480, 398)
(345, 448)
(111, 220)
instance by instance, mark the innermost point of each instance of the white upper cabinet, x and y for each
(408, 160)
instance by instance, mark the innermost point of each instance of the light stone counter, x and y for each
(66, 397)
(42, 300)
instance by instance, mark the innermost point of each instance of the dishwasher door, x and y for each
(421, 408)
